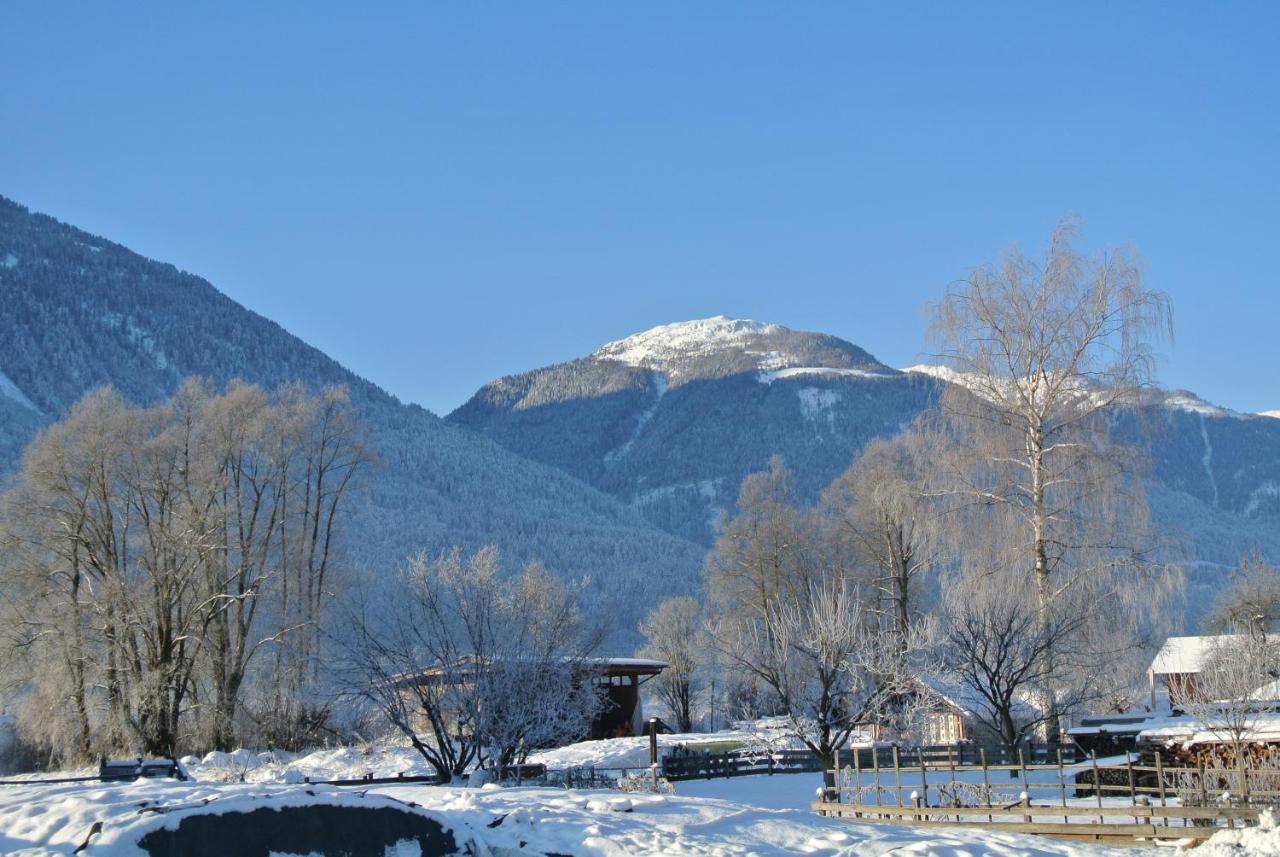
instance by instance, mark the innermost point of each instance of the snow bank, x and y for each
(1260, 841)
(41, 821)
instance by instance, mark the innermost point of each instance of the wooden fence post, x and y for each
(1133, 794)
(1097, 782)
(986, 780)
(875, 764)
(924, 781)
(1026, 783)
(857, 773)
(1204, 791)
(1062, 784)
(897, 775)
(1160, 783)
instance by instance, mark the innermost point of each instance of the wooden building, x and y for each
(621, 713)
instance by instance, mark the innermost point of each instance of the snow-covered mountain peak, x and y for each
(718, 347)
(659, 346)
(1273, 414)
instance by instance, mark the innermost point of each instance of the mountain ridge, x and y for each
(678, 453)
(78, 311)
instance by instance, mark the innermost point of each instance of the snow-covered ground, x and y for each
(744, 816)
(759, 815)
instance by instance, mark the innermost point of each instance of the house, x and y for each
(621, 714)
(937, 711)
(1176, 667)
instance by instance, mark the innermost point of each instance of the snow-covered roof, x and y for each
(968, 701)
(1180, 655)
(1183, 654)
(1188, 730)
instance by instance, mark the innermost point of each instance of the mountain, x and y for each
(78, 311)
(670, 420)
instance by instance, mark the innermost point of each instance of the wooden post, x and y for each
(1204, 792)
(1062, 785)
(1160, 783)
(857, 775)
(653, 741)
(951, 761)
(875, 764)
(924, 781)
(1026, 784)
(1133, 794)
(1097, 783)
(1244, 777)
(897, 775)
(986, 780)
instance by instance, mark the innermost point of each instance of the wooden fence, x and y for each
(705, 766)
(742, 763)
(1120, 803)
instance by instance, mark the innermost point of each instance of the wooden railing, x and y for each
(1124, 802)
(704, 766)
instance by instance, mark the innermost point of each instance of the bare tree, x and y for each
(886, 524)
(1042, 356)
(995, 640)
(766, 554)
(1250, 602)
(473, 668)
(1238, 684)
(826, 657)
(142, 545)
(672, 633)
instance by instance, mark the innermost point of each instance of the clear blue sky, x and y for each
(439, 194)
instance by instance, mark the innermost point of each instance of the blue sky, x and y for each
(439, 194)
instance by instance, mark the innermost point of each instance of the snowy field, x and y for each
(749, 815)
(758, 815)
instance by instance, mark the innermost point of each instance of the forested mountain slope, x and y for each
(671, 419)
(77, 311)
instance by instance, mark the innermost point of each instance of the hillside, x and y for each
(670, 420)
(78, 311)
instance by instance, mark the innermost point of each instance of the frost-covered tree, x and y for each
(829, 661)
(1045, 354)
(886, 526)
(474, 667)
(673, 633)
(1250, 601)
(152, 553)
(1238, 683)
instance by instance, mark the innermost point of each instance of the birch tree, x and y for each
(1043, 356)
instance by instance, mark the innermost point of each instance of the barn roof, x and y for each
(1184, 655)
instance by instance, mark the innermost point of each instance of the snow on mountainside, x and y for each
(1272, 414)
(79, 311)
(661, 346)
(720, 346)
(671, 420)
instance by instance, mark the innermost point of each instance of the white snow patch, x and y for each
(1182, 400)
(799, 371)
(659, 346)
(10, 390)
(1266, 489)
(1275, 415)
(816, 404)
(660, 388)
(1206, 460)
